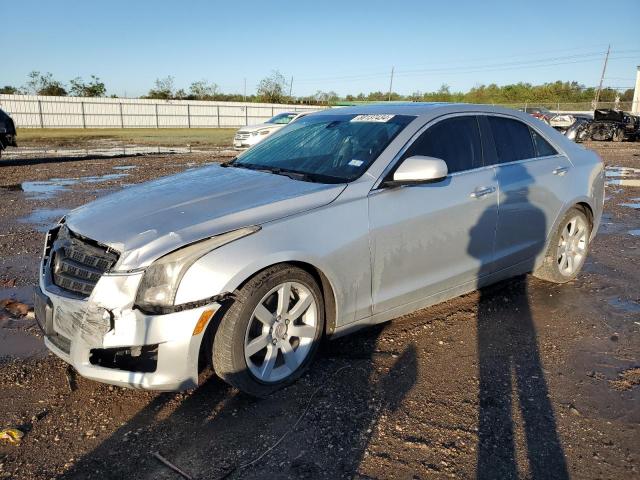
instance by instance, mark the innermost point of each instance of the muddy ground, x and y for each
(524, 379)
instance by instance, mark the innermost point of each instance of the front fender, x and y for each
(334, 241)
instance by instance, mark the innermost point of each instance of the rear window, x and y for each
(512, 139)
(455, 140)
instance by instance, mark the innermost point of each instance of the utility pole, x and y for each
(604, 69)
(291, 86)
(391, 84)
(244, 95)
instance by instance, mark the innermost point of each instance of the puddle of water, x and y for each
(622, 172)
(103, 178)
(21, 294)
(14, 341)
(44, 190)
(625, 182)
(125, 167)
(626, 305)
(44, 218)
(113, 151)
(630, 205)
(47, 189)
(635, 233)
(19, 344)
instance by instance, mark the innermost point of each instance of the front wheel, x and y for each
(271, 332)
(618, 135)
(567, 249)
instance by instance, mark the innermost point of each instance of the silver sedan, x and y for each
(346, 218)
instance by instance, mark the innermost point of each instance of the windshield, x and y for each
(282, 118)
(325, 148)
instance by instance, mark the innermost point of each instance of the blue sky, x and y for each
(345, 46)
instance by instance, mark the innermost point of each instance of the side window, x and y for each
(543, 148)
(454, 140)
(512, 139)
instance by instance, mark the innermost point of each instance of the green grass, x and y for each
(81, 137)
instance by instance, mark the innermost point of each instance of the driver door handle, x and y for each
(561, 171)
(482, 191)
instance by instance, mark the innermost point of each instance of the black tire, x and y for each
(228, 356)
(550, 270)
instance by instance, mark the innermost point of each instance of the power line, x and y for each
(462, 71)
(549, 61)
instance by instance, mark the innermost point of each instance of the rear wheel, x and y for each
(567, 249)
(618, 135)
(271, 332)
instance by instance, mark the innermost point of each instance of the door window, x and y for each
(455, 140)
(543, 148)
(512, 139)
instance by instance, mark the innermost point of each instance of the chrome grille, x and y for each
(77, 264)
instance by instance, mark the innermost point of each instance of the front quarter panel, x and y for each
(333, 239)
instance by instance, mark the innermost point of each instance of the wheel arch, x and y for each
(328, 297)
(584, 204)
(326, 287)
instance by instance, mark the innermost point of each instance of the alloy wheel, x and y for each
(572, 246)
(281, 332)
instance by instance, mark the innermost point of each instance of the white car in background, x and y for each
(250, 135)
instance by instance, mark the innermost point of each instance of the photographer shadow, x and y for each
(511, 372)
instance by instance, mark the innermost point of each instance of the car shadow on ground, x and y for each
(217, 432)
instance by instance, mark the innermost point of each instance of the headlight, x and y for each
(161, 279)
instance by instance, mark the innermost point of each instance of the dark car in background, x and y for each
(7, 131)
(606, 125)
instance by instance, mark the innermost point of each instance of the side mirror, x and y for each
(419, 169)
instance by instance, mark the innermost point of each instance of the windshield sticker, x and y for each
(372, 118)
(356, 163)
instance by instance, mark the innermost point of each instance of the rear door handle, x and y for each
(482, 191)
(561, 171)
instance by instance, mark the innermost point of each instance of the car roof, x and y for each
(418, 109)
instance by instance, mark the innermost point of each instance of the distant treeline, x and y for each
(275, 89)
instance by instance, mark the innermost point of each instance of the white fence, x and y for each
(31, 111)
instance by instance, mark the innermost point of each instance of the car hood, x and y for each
(253, 128)
(149, 220)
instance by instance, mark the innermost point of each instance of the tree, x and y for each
(95, 88)
(44, 84)
(9, 90)
(164, 89)
(203, 90)
(272, 89)
(325, 97)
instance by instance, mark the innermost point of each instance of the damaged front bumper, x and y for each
(106, 339)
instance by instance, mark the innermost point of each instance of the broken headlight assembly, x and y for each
(159, 284)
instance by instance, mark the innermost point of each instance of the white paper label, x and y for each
(356, 163)
(372, 118)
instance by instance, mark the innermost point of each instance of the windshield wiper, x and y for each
(305, 177)
(293, 174)
(229, 163)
